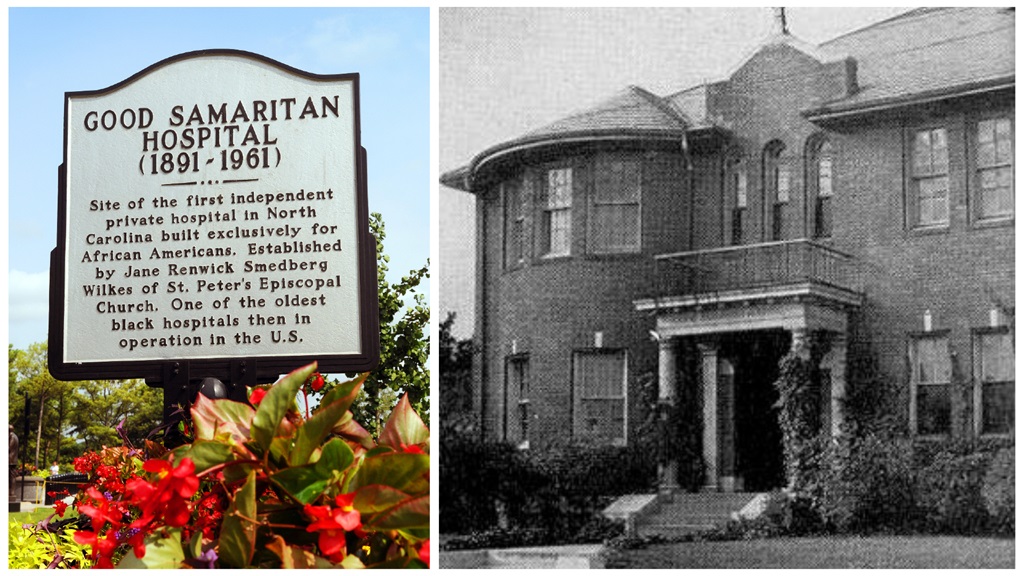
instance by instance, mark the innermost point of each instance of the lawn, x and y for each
(33, 516)
(835, 552)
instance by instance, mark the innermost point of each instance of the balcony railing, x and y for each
(755, 268)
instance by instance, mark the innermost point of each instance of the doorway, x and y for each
(758, 449)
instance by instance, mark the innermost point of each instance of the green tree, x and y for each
(70, 417)
(404, 344)
(455, 365)
(102, 404)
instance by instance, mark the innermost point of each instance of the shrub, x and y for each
(477, 479)
(949, 493)
(30, 546)
(997, 490)
(865, 484)
(263, 486)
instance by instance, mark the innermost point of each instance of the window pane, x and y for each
(783, 180)
(823, 217)
(741, 189)
(997, 408)
(996, 357)
(986, 154)
(602, 419)
(933, 364)
(560, 188)
(933, 409)
(932, 202)
(986, 131)
(600, 374)
(617, 181)
(559, 227)
(825, 176)
(615, 228)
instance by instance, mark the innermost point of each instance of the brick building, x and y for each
(851, 202)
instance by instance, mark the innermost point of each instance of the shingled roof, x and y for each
(926, 53)
(631, 114)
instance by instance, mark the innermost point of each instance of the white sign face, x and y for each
(212, 211)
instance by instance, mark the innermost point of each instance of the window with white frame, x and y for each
(599, 384)
(929, 178)
(515, 214)
(994, 165)
(821, 180)
(614, 223)
(994, 382)
(736, 183)
(776, 187)
(517, 389)
(558, 213)
(930, 409)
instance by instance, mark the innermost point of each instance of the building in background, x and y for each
(852, 202)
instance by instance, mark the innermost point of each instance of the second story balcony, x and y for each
(771, 271)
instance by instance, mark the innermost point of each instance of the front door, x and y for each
(759, 459)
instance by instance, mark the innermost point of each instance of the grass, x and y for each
(33, 516)
(825, 552)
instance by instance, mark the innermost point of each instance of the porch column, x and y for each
(668, 474)
(838, 384)
(709, 380)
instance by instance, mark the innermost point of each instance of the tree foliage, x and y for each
(67, 418)
(404, 344)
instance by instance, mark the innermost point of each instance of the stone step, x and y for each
(690, 513)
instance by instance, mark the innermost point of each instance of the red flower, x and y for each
(412, 449)
(60, 506)
(168, 499)
(333, 524)
(317, 382)
(424, 552)
(257, 396)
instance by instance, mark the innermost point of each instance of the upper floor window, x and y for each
(994, 165)
(557, 217)
(931, 374)
(776, 183)
(821, 183)
(515, 214)
(929, 175)
(736, 189)
(599, 382)
(994, 382)
(615, 211)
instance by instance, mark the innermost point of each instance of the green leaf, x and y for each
(205, 454)
(410, 514)
(275, 404)
(214, 417)
(238, 532)
(313, 431)
(349, 429)
(307, 483)
(407, 472)
(404, 427)
(161, 552)
(370, 500)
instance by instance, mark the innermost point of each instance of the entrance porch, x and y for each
(736, 312)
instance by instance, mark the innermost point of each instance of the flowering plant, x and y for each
(265, 485)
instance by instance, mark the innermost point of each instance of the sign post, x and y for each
(213, 223)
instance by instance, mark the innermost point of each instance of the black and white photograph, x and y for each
(726, 287)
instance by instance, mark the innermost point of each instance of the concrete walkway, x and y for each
(545, 557)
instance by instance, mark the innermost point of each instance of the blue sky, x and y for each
(54, 50)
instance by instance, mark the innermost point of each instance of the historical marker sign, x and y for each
(213, 207)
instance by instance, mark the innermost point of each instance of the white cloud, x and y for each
(29, 305)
